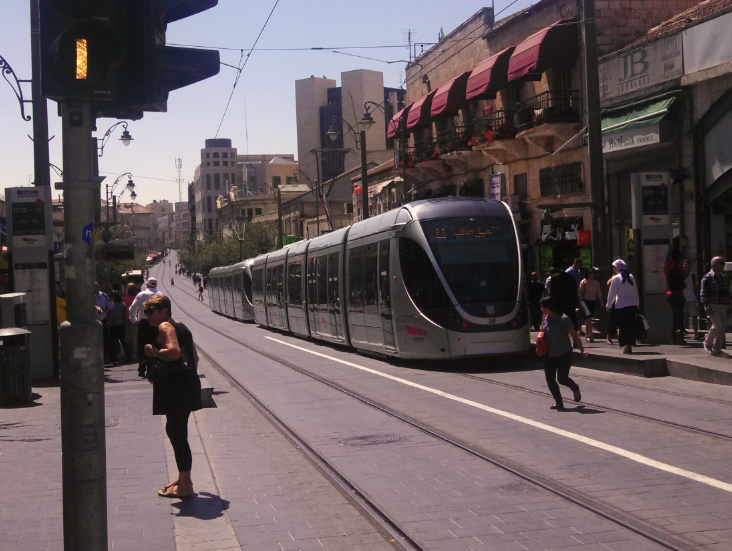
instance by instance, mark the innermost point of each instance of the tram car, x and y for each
(230, 291)
(434, 279)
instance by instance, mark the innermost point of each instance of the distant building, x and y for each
(182, 225)
(215, 176)
(320, 104)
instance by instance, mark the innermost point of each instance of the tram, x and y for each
(438, 278)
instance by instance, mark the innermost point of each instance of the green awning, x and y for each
(639, 113)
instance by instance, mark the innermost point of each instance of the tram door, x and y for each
(385, 296)
(312, 275)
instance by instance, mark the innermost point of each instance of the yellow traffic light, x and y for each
(82, 59)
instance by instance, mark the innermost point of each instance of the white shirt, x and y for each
(689, 293)
(137, 307)
(622, 294)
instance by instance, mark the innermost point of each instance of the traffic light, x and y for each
(81, 48)
(150, 69)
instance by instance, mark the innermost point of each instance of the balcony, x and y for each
(553, 107)
(427, 159)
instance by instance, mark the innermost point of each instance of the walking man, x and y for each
(146, 334)
(200, 292)
(715, 298)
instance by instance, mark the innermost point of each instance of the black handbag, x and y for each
(162, 370)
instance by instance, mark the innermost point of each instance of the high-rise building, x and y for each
(216, 174)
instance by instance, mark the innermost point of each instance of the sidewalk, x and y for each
(275, 498)
(687, 361)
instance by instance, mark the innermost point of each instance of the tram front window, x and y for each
(478, 257)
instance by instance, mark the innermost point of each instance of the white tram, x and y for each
(439, 278)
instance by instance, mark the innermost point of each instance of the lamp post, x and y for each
(125, 139)
(106, 234)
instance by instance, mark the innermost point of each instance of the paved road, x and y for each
(675, 481)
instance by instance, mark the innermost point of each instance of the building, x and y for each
(257, 172)
(164, 229)
(159, 208)
(321, 105)
(215, 176)
(136, 222)
(182, 229)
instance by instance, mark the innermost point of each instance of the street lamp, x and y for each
(125, 139)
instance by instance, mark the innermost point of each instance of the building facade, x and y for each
(182, 228)
(215, 176)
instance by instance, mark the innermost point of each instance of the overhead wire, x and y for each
(242, 65)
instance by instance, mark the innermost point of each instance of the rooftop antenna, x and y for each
(179, 166)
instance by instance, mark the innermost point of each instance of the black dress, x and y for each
(181, 392)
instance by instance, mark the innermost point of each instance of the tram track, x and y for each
(610, 513)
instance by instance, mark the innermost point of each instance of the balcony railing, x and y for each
(425, 150)
(551, 107)
(493, 127)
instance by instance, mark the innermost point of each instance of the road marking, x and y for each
(573, 436)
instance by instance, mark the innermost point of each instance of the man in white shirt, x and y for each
(146, 333)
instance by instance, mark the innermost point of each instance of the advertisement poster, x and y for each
(494, 190)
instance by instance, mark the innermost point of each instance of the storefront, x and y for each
(562, 240)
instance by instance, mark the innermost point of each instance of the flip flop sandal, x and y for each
(173, 496)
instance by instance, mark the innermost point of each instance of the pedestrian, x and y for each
(589, 295)
(178, 394)
(715, 298)
(558, 330)
(547, 283)
(675, 286)
(691, 295)
(117, 319)
(205, 282)
(172, 283)
(612, 325)
(104, 303)
(535, 292)
(146, 334)
(623, 294)
(564, 288)
(200, 292)
(576, 270)
(130, 328)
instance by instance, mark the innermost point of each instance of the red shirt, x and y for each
(667, 266)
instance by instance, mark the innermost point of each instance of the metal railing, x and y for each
(553, 107)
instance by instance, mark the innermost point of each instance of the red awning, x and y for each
(555, 47)
(397, 121)
(490, 76)
(419, 114)
(450, 97)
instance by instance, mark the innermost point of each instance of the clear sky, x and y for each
(267, 84)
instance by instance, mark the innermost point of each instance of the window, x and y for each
(294, 283)
(233, 179)
(216, 155)
(208, 163)
(225, 155)
(561, 180)
(208, 181)
(289, 180)
(420, 278)
(208, 204)
(355, 274)
(216, 163)
(208, 155)
(520, 186)
(250, 213)
(349, 208)
(225, 163)
(210, 223)
(257, 211)
(276, 181)
(217, 181)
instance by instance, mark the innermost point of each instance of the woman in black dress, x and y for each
(178, 394)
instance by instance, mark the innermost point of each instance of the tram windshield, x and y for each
(478, 257)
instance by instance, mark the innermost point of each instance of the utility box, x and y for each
(15, 367)
(13, 310)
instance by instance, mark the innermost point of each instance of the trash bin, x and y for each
(15, 367)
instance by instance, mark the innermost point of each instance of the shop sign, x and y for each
(655, 63)
(562, 229)
(628, 139)
(494, 189)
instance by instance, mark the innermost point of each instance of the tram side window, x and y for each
(334, 261)
(258, 286)
(294, 283)
(312, 282)
(281, 285)
(355, 278)
(247, 287)
(369, 276)
(322, 283)
(421, 281)
(270, 286)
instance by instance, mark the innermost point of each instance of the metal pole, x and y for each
(279, 217)
(317, 195)
(42, 169)
(594, 131)
(82, 356)
(405, 157)
(364, 178)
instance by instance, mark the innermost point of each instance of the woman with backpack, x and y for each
(623, 294)
(556, 331)
(675, 286)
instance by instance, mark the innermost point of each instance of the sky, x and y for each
(263, 104)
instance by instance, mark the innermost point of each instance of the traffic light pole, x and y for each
(82, 355)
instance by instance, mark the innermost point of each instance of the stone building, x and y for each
(495, 110)
(322, 105)
(215, 176)
(182, 229)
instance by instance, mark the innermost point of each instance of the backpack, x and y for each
(675, 279)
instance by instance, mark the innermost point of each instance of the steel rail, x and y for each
(606, 511)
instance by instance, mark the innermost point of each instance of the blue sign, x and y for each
(88, 231)
(494, 189)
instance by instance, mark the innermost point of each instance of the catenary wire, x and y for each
(242, 65)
